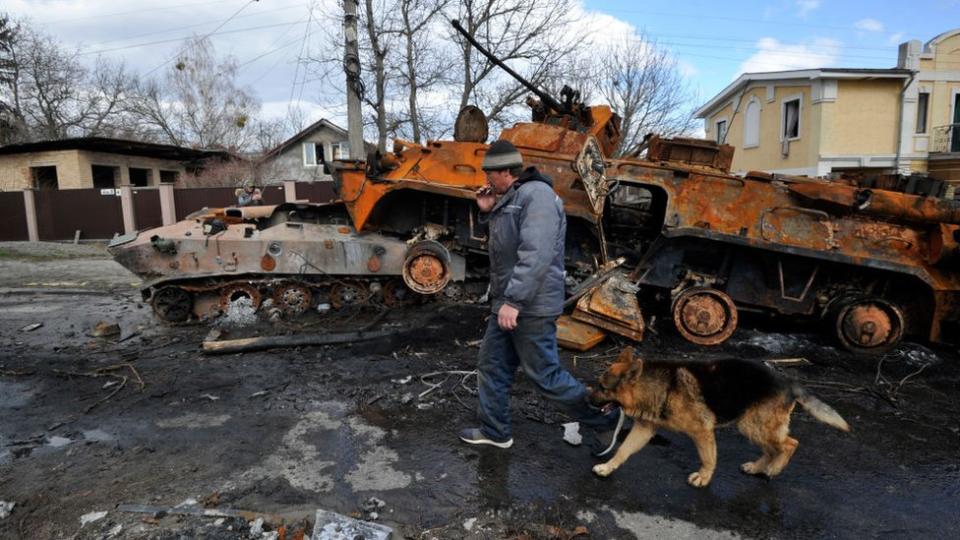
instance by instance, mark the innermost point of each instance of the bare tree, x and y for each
(422, 68)
(198, 103)
(377, 18)
(531, 35)
(643, 84)
(48, 93)
(12, 124)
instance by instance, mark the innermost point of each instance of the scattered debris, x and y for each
(404, 380)
(211, 397)
(333, 526)
(786, 362)
(260, 393)
(275, 342)
(105, 329)
(214, 334)
(256, 527)
(6, 508)
(211, 500)
(57, 441)
(31, 327)
(425, 379)
(196, 510)
(558, 533)
(576, 335)
(239, 313)
(571, 433)
(107, 372)
(372, 507)
(91, 517)
(131, 335)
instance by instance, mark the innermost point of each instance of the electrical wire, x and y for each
(214, 31)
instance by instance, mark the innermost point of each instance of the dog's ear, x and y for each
(636, 369)
(626, 356)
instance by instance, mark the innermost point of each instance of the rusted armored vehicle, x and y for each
(695, 241)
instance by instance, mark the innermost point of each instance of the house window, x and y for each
(791, 120)
(104, 176)
(923, 101)
(341, 150)
(44, 177)
(751, 124)
(309, 154)
(721, 131)
(169, 177)
(140, 177)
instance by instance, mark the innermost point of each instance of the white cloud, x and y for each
(775, 56)
(603, 29)
(806, 6)
(895, 39)
(869, 25)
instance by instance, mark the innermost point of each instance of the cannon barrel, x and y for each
(546, 98)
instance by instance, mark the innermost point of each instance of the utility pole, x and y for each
(351, 67)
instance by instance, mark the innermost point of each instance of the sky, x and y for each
(713, 41)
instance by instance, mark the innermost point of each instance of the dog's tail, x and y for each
(818, 409)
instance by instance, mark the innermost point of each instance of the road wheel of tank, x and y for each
(869, 325)
(293, 298)
(172, 304)
(348, 293)
(453, 293)
(704, 316)
(396, 293)
(232, 292)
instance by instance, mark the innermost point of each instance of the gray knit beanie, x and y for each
(502, 155)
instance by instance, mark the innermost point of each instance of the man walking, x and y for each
(527, 227)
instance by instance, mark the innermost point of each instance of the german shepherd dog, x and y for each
(695, 397)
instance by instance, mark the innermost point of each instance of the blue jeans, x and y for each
(532, 346)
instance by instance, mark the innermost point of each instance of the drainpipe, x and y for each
(903, 91)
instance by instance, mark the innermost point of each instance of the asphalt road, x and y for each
(368, 430)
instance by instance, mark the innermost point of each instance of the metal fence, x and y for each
(98, 214)
(13, 216)
(93, 212)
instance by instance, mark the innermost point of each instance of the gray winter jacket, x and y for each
(526, 239)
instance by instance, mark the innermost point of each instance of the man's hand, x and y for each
(486, 198)
(507, 317)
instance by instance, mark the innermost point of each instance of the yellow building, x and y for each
(819, 121)
(96, 162)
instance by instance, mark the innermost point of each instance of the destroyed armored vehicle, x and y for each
(673, 231)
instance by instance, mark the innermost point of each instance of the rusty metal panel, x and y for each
(613, 306)
(96, 213)
(578, 336)
(146, 208)
(13, 216)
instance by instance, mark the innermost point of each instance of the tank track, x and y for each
(205, 299)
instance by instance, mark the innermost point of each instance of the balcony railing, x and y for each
(946, 138)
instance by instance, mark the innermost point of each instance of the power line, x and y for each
(185, 27)
(214, 31)
(117, 14)
(181, 38)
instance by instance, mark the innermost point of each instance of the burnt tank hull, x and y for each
(297, 255)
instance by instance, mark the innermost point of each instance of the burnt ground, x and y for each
(354, 429)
